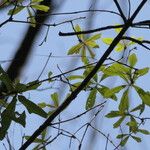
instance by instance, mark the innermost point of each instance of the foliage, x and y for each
(127, 73)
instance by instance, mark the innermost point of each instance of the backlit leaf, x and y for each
(55, 99)
(124, 103)
(132, 60)
(114, 90)
(41, 7)
(145, 96)
(91, 99)
(75, 49)
(16, 11)
(107, 41)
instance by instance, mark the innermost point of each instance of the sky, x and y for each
(12, 33)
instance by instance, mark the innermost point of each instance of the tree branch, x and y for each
(120, 11)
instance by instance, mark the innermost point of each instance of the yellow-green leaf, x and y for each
(94, 37)
(16, 11)
(75, 77)
(118, 29)
(91, 99)
(120, 47)
(145, 96)
(124, 103)
(55, 99)
(78, 29)
(114, 90)
(107, 41)
(91, 44)
(132, 60)
(142, 72)
(36, 1)
(41, 7)
(75, 49)
(31, 18)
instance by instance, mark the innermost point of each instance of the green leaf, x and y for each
(36, 1)
(120, 47)
(91, 99)
(3, 103)
(41, 7)
(75, 86)
(31, 18)
(124, 103)
(140, 107)
(21, 118)
(75, 77)
(107, 41)
(44, 134)
(132, 43)
(118, 29)
(113, 114)
(133, 125)
(16, 11)
(42, 105)
(124, 141)
(19, 88)
(5, 79)
(55, 99)
(33, 85)
(132, 60)
(83, 56)
(114, 90)
(6, 117)
(94, 37)
(142, 72)
(92, 44)
(138, 139)
(78, 29)
(118, 123)
(75, 49)
(145, 96)
(120, 136)
(32, 107)
(104, 76)
(50, 74)
(143, 131)
(104, 90)
(91, 53)
(118, 70)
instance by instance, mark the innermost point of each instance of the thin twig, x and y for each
(44, 66)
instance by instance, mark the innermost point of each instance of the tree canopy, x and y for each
(107, 53)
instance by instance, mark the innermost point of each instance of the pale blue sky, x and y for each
(11, 35)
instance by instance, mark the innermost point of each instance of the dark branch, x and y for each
(120, 11)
